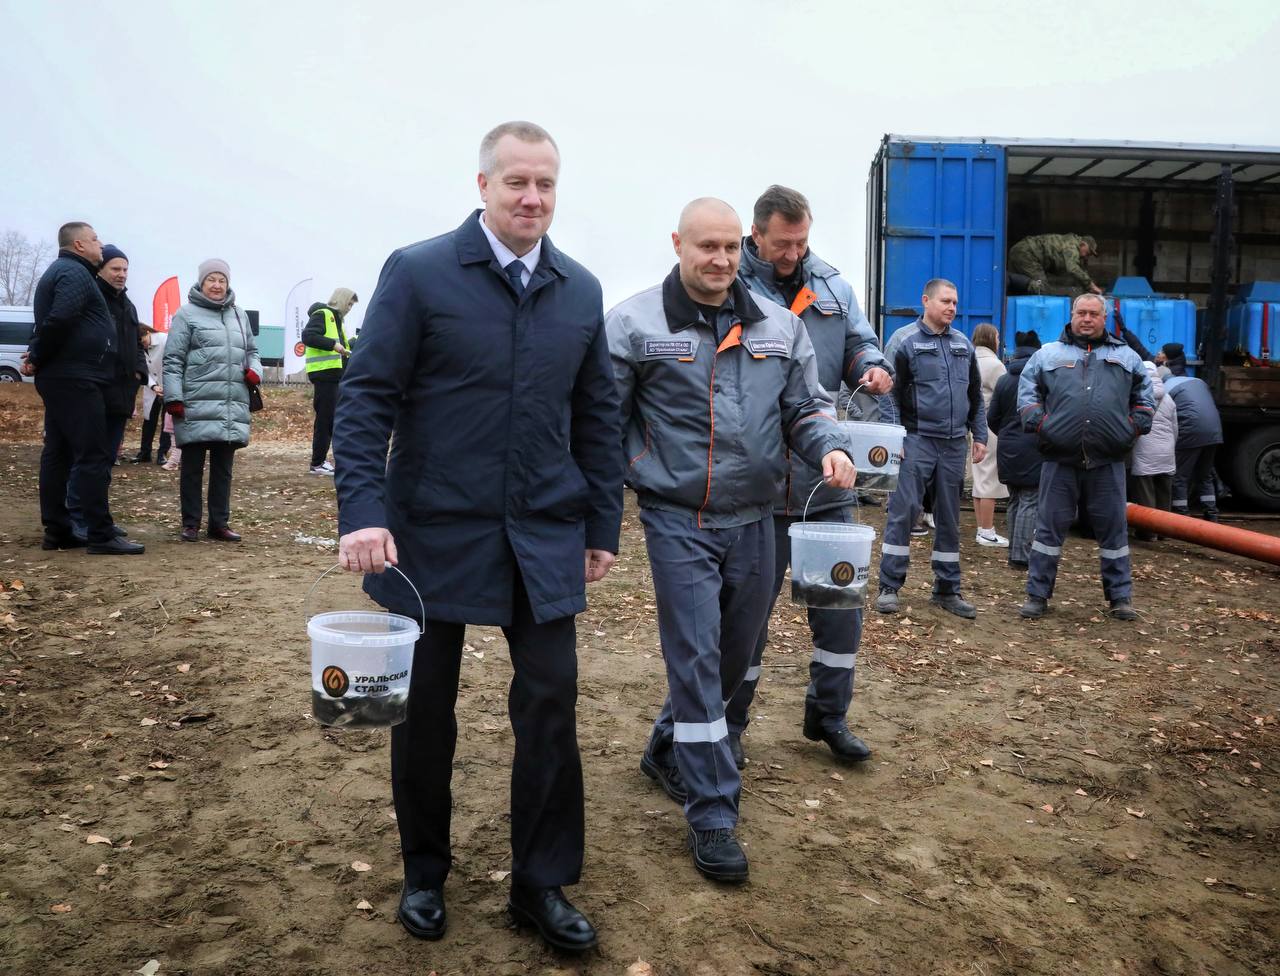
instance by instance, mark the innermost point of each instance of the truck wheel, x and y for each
(9, 375)
(1254, 467)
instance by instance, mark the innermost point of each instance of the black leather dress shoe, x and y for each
(120, 532)
(718, 855)
(421, 912)
(69, 541)
(116, 547)
(223, 534)
(665, 775)
(846, 746)
(546, 909)
(190, 533)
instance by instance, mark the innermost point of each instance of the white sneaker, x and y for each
(322, 469)
(928, 520)
(990, 537)
(328, 466)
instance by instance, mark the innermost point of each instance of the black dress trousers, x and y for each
(547, 832)
(76, 445)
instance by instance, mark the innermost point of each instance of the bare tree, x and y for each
(21, 263)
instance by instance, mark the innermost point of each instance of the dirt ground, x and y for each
(1073, 795)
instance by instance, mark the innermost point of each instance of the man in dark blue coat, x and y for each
(483, 352)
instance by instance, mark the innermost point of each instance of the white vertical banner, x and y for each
(295, 320)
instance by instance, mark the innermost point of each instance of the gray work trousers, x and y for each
(926, 461)
(1102, 491)
(711, 587)
(836, 634)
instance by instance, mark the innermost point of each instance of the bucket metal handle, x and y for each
(852, 394)
(306, 601)
(857, 505)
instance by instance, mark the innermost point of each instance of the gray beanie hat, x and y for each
(209, 267)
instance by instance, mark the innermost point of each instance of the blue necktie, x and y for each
(515, 271)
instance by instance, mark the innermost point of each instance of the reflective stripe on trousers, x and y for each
(711, 587)
(926, 460)
(836, 634)
(1103, 491)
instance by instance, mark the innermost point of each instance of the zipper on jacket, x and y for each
(731, 339)
(1084, 445)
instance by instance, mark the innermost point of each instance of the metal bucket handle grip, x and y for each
(306, 602)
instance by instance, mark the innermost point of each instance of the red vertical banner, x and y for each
(165, 305)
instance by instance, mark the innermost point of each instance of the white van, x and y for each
(17, 323)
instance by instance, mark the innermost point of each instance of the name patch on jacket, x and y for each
(766, 346)
(669, 348)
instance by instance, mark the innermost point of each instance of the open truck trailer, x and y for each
(1197, 222)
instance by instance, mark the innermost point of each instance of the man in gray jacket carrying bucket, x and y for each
(704, 369)
(778, 263)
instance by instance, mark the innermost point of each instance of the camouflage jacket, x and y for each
(1057, 254)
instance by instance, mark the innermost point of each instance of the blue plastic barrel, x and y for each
(1156, 321)
(1253, 330)
(1046, 315)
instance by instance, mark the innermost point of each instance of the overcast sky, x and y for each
(310, 139)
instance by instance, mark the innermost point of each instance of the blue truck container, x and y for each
(1045, 315)
(951, 207)
(943, 217)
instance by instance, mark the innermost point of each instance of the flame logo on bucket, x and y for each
(878, 456)
(335, 681)
(842, 573)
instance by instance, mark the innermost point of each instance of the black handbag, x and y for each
(255, 392)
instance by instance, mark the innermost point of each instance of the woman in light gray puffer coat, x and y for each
(1152, 464)
(210, 361)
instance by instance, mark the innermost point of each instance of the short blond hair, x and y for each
(524, 131)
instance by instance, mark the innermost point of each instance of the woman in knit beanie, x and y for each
(210, 362)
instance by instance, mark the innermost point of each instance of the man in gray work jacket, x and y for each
(939, 397)
(1087, 398)
(778, 264)
(706, 373)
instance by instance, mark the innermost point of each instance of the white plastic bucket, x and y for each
(877, 453)
(361, 664)
(830, 564)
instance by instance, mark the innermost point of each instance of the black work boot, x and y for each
(735, 747)
(1122, 609)
(844, 745)
(1035, 608)
(717, 854)
(954, 603)
(666, 774)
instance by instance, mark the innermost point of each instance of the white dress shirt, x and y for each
(505, 255)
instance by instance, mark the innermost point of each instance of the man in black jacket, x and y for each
(72, 355)
(327, 352)
(1018, 458)
(130, 369)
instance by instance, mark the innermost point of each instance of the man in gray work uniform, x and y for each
(778, 264)
(939, 395)
(706, 374)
